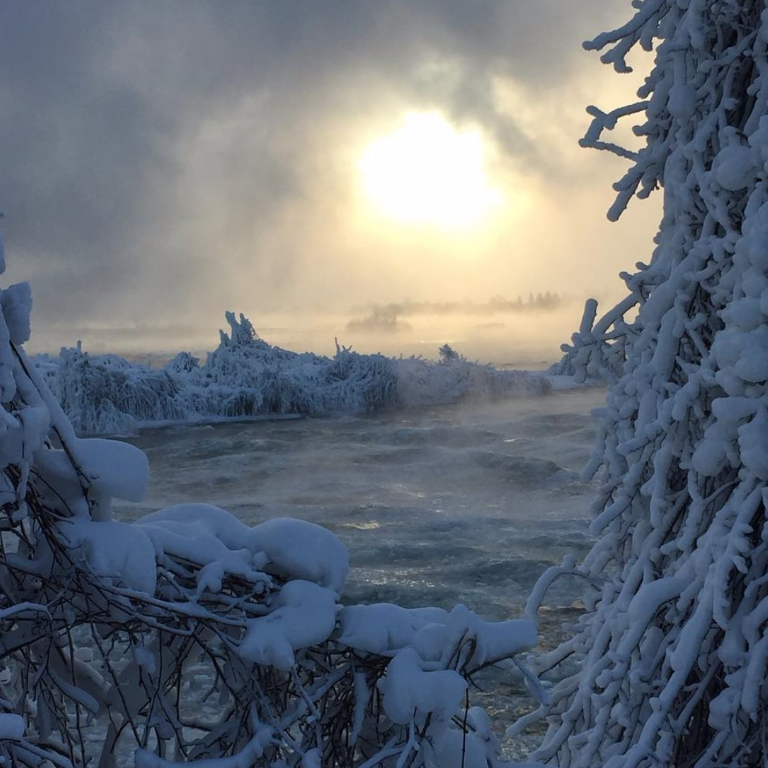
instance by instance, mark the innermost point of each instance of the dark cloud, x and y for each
(132, 135)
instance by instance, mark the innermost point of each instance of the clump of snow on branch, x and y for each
(245, 376)
(188, 636)
(673, 645)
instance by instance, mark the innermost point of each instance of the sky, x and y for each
(162, 162)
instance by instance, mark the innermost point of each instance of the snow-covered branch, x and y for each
(672, 645)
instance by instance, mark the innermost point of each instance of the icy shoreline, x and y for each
(245, 377)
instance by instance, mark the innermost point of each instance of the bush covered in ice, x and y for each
(188, 636)
(245, 376)
(674, 642)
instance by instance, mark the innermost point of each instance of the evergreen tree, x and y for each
(674, 640)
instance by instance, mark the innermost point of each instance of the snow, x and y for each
(16, 303)
(667, 662)
(115, 469)
(382, 627)
(246, 377)
(304, 614)
(302, 550)
(119, 552)
(11, 727)
(753, 444)
(408, 688)
(209, 536)
(734, 167)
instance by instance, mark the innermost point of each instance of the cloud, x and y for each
(170, 159)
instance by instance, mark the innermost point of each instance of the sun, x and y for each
(429, 173)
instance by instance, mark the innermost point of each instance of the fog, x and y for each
(162, 163)
(528, 338)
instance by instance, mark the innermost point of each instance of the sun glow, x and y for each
(429, 173)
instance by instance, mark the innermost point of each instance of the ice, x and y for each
(246, 377)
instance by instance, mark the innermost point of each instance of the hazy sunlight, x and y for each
(427, 172)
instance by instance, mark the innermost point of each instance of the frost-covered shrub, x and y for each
(187, 636)
(245, 376)
(107, 394)
(454, 378)
(674, 641)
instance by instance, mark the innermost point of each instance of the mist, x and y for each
(164, 163)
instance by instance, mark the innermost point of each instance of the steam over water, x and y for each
(464, 503)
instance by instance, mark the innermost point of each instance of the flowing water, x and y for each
(458, 504)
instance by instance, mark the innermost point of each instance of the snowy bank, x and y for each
(245, 377)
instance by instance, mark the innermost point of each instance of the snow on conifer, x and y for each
(673, 645)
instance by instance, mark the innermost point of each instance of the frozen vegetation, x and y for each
(189, 636)
(673, 646)
(245, 376)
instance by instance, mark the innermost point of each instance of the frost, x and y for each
(247, 377)
(734, 167)
(671, 652)
(16, 302)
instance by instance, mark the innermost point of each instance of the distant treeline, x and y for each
(386, 317)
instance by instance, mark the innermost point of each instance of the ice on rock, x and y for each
(304, 615)
(302, 550)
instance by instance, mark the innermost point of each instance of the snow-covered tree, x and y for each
(674, 641)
